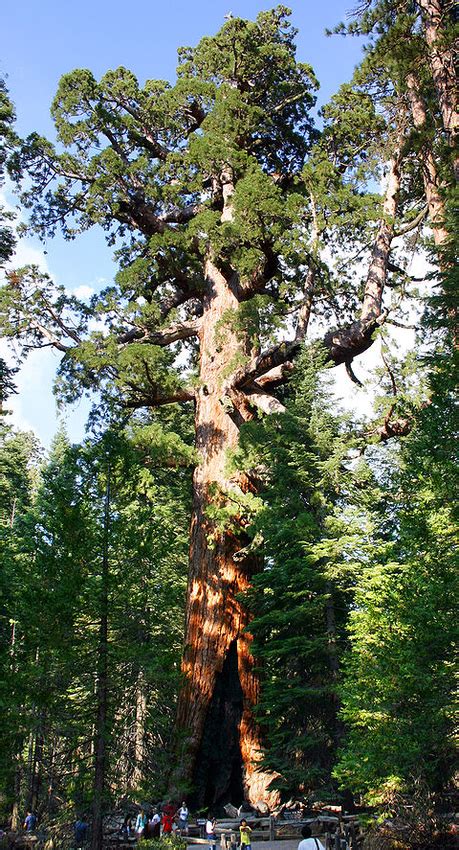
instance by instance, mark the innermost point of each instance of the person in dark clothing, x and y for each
(81, 829)
(126, 828)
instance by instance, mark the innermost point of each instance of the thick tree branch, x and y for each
(412, 225)
(181, 330)
(345, 343)
(289, 101)
(47, 334)
(181, 215)
(138, 215)
(275, 376)
(263, 401)
(154, 399)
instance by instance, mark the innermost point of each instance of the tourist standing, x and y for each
(210, 832)
(245, 833)
(30, 822)
(81, 829)
(156, 825)
(183, 815)
(140, 823)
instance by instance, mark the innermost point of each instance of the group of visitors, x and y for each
(154, 823)
(245, 836)
(149, 823)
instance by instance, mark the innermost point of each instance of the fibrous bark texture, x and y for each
(429, 169)
(215, 713)
(443, 67)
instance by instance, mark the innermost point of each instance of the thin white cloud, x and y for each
(83, 291)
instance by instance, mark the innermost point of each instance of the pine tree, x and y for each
(18, 459)
(398, 691)
(96, 608)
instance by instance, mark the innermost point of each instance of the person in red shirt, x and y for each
(166, 822)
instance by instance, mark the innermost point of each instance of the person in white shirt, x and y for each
(210, 832)
(183, 818)
(309, 843)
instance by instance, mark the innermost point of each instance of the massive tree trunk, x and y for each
(221, 741)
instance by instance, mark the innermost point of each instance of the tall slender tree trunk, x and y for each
(139, 731)
(434, 199)
(220, 682)
(36, 774)
(15, 814)
(100, 743)
(18, 741)
(333, 659)
(443, 67)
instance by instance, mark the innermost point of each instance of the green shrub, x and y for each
(166, 842)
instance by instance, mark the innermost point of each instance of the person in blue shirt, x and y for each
(140, 823)
(81, 831)
(30, 822)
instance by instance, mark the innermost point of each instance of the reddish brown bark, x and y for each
(442, 65)
(429, 169)
(435, 202)
(216, 618)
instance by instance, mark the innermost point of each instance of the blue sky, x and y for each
(43, 40)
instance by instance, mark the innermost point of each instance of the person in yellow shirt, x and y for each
(245, 833)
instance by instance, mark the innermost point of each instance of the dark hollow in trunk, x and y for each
(218, 775)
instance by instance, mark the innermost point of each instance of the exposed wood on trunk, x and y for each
(216, 617)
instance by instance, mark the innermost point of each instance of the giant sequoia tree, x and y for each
(218, 194)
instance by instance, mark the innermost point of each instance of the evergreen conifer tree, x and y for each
(207, 188)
